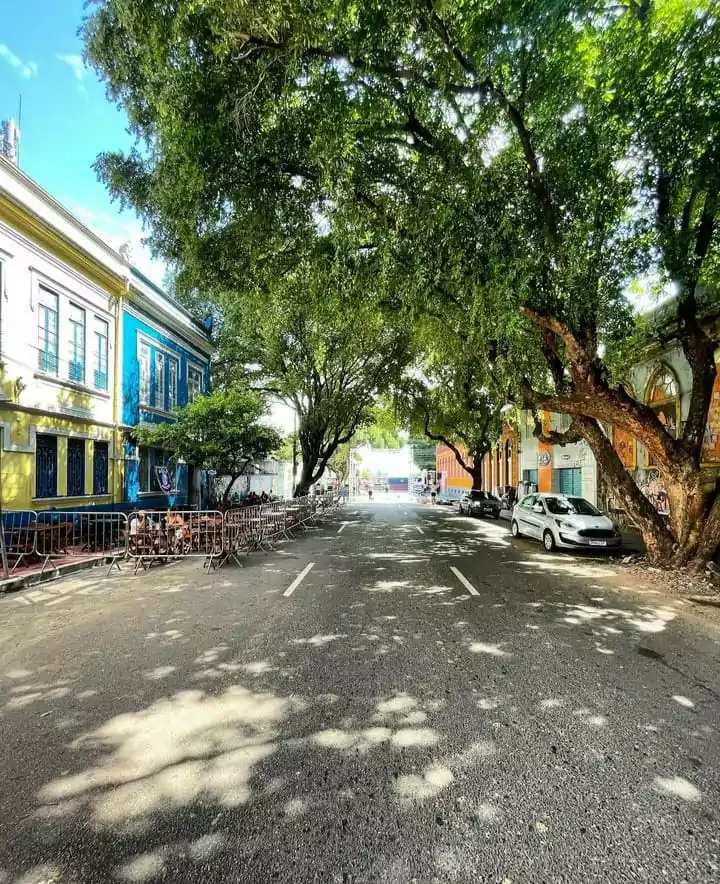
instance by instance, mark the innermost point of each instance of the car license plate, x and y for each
(598, 543)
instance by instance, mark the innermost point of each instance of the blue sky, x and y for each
(66, 118)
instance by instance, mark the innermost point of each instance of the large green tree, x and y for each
(314, 338)
(454, 411)
(523, 160)
(221, 431)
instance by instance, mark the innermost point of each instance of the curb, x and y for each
(14, 584)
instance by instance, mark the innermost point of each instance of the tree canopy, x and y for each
(220, 431)
(519, 163)
(315, 338)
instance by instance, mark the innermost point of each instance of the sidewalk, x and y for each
(31, 575)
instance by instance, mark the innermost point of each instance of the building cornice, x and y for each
(27, 222)
(142, 307)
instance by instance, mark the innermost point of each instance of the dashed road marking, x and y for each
(465, 582)
(419, 529)
(299, 579)
(342, 527)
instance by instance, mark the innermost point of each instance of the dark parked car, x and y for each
(480, 503)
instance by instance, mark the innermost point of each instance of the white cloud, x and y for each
(76, 63)
(27, 69)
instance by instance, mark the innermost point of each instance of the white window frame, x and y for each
(158, 391)
(193, 392)
(173, 372)
(144, 374)
(71, 325)
(101, 329)
(45, 296)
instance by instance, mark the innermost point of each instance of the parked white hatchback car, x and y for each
(563, 521)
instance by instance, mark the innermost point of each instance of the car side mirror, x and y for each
(538, 508)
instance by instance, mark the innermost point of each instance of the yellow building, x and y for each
(61, 291)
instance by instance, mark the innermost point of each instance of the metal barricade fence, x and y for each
(243, 531)
(161, 535)
(274, 521)
(326, 504)
(18, 528)
(71, 534)
(149, 536)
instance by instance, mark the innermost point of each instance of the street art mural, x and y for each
(653, 487)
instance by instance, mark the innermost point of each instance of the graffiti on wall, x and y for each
(711, 439)
(653, 487)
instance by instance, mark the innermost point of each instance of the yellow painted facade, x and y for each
(42, 247)
(17, 467)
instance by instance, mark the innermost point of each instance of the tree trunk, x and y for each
(305, 481)
(710, 540)
(655, 534)
(691, 535)
(228, 489)
(476, 473)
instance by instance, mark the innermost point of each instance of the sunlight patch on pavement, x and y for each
(296, 807)
(486, 648)
(487, 813)
(677, 787)
(171, 752)
(551, 703)
(488, 703)
(588, 717)
(159, 673)
(419, 787)
(415, 736)
(142, 867)
(318, 641)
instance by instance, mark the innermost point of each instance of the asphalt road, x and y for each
(431, 702)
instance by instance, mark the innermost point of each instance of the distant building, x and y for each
(500, 467)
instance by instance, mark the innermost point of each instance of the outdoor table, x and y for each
(52, 537)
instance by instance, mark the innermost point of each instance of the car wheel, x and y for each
(548, 541)
(514, 529)
(496, 515)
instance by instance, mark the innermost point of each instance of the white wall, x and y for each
(26, 268)
(528, 444)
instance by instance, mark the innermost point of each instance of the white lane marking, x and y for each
(343, 527)
(419, 529)
(465, 582)
(299, 579)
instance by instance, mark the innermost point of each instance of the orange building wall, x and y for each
(454, 476)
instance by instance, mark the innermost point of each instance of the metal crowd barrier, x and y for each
(158, 536)
(19, 533)
(55, 534)
(150, 536)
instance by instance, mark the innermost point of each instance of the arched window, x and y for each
(508, 462)
(662, 394)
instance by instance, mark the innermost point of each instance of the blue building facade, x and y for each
(165, 364)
